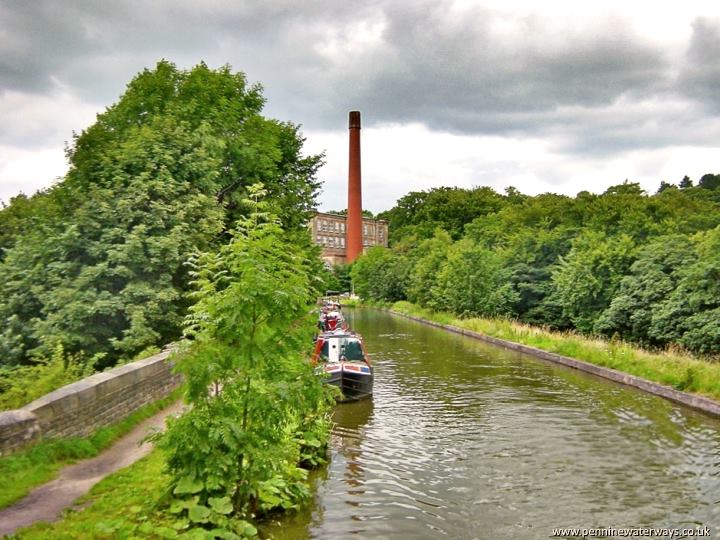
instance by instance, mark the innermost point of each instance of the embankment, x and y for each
(693, 400)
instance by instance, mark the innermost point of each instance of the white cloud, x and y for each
(397, 159)
(27, 171)
(38, 121)
(34, 131)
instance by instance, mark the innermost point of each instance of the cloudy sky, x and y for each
(561, 97)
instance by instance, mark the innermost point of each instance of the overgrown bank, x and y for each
(258, 419)
(642, 268)
(127, 504)
(260, 416)
(679, 371)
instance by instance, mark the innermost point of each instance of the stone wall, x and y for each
(80, 408)
(17, 430)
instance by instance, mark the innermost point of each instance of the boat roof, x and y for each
(340, 333)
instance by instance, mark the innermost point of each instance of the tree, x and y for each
(16, 219)
(652, 278)
(344, 280)
(258, 409)
(530, 255)
(709, 181)
(430, 256)
(472, 282)
(254, 148)
(450, 209)
(380, 275)
(690, 315)
(665, 185)
(585, 281)
(161, 174)
(568, 262)
(343, 212)
(124, 288)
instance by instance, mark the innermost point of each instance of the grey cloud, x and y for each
(95, 47)
(700, 76)
(452, 73)
(455, 75)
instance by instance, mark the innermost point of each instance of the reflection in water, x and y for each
(463, 440)
(346, 469)
(346, 439)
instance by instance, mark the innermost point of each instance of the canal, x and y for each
(465, 440)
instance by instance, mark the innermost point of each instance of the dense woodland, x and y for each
(623, 264)
(94, 270)
(184, 213)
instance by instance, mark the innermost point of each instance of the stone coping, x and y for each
(69, 395)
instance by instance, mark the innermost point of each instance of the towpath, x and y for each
(46, 502)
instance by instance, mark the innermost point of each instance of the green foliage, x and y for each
(690, 315)
(343, 279)
(471, 282)
(622, 262)
(430, 256)
(380, 274)
(710, 181)
(19, 385)
(22, 215)
(343, 212)
(259, 411)
(586, 280)
(447, 208)
(160, 175)
(335, 278)
(124, 292)
(651, 279)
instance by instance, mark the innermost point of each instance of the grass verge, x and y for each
(681, 371)
(29, 468)
(123, 505)
(131, 504)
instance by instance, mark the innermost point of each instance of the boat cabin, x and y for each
(343, 347)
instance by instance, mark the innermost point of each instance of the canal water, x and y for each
(465, 440)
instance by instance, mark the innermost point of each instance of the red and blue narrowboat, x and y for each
(341, 354)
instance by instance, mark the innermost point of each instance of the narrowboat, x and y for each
(341, 354)
(331, 317)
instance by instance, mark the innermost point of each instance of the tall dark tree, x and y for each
(159, 176)
(709, 181)
(652, 278)
(690, 315)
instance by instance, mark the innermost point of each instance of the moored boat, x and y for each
(341, 354)
(331, 318)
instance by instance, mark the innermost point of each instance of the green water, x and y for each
(465, 440)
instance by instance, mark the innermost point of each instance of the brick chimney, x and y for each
(354, 214)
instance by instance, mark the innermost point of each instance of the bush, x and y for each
(259, 411)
